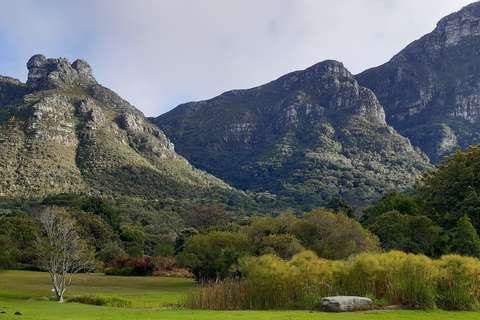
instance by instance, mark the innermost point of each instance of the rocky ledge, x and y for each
(51, 73)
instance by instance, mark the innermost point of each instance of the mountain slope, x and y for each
(62, 132)
(306, 137)
(431, 89)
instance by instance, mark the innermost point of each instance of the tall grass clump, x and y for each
(98, 300)
(459, 283)
(416, 281)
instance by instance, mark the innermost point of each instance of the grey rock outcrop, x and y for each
(346, 303)
(45, 74)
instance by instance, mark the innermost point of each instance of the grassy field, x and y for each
(152, 298)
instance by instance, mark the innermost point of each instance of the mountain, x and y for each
(62, 132)
(431, 89)
(302, 139)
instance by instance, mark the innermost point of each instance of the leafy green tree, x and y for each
(465, 240)
(453, 188)
(6, 255)
(100, 206)
(135, 251)
(132, 234)
(261, 227)
(211, 255)
(21, 234)
(182, 237)
(94, 229)
(333, 235)
(164, 250)
(340, 204)
(284, 245)
(412, 234)
(404, 204)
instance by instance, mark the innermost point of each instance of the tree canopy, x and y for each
(453, 188)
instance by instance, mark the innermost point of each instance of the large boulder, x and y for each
(346, 303)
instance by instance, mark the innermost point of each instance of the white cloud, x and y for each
(159, 53)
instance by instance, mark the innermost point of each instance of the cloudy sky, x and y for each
(159, 53)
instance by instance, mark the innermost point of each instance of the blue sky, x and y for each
(157, 54)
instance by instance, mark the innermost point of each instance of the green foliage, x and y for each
(109, 252)
(98, 300)
(453, 188)
(284, 245)
(465, 240)
(135, 251)
(334, 236)
(93, 229)
(164, 250)
(100, 206)
(7, 257)
(411, 234)
(200, 216)
(404, 204)
(62, 199)
(340, 204)
(132, 234)
(19, 232)
(211, 255)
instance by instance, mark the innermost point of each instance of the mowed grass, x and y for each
(22, 291)
(144, 292)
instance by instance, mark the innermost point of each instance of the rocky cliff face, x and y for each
(62, 132)
(431, 89)
(304, 138)
(45, 74)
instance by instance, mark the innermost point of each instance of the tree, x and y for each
(211, 255)
(60, 250)
(203, 216)
(20, 233)
(465, 240)
(404, 204)
(6, 255)
(453, 188)
(340, 204)
(412, 234)
(333, 235)
(100, 206)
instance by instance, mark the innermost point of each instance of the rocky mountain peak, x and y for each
(431, 89)
(57, 73)
(451, 31)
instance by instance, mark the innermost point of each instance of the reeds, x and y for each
(98, 300)
(416, 281)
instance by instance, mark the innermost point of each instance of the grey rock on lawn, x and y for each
(346, 303)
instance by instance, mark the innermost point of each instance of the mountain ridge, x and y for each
(282, 137)
(431, 89)
(62, 132)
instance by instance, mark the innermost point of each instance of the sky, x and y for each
(157, 54)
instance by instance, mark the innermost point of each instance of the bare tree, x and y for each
(60, 250)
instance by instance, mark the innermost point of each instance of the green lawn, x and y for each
(22, 291)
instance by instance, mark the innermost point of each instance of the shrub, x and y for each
(98, 300)
(135, 251)
(164, 250)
